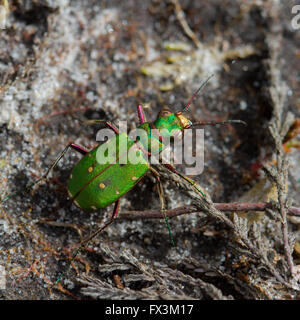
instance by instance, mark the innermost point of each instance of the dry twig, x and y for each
(229, 207)
(278, 129)
(181, 18)
(207, 206)
(166, 282)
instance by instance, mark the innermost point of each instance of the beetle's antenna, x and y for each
(212, 123)
(195, 95)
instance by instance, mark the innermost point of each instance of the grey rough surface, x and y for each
(61, 61)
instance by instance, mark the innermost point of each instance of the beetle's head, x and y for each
(177, 121)
(184, 121)
(168, 120)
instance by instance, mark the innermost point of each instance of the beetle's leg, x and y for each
(112, 219)
(78, 148)
(54, 164)
(44, 177)
(106, 123)
(190, 181)
(213, 123)
(162, 201)
(112, 127)
(141, 114)
(114, 216)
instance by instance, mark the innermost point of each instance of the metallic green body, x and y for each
(96, 184)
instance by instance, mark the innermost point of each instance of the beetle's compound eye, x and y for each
(164, 112)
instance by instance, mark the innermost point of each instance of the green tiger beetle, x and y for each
(94, 186)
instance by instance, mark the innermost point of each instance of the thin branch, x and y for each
(224, 207)
(206, 205)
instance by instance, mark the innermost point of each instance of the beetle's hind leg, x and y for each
(162, 202)
(113, 217)
(89, 238)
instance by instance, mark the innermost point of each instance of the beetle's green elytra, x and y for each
(95, 186)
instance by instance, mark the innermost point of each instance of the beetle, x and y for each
(94, 185)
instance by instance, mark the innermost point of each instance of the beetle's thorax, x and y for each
(167, 124)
